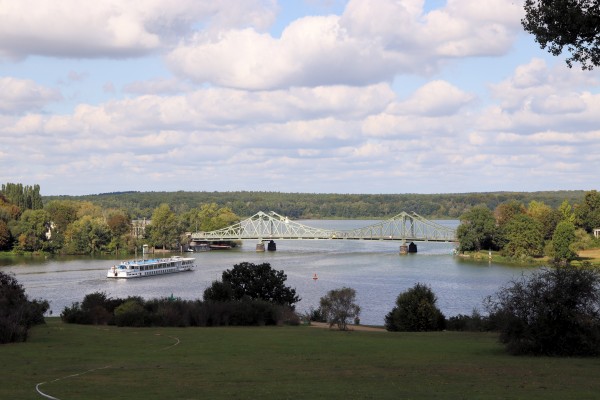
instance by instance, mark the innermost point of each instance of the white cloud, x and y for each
(113, 28)
(365, 45)
(24, 95)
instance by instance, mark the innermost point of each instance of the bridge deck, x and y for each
(262, 226)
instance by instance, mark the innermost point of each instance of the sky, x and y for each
(329, 96)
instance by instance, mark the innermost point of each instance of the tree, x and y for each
(477, 230)
(545, 215)
(256, 282)
(87, 235)
(505, 212)
(32, 229)
(17, 312)
(524, 237)
(62, 213)
(211, 217)
(566, 212)
(165, 231)
(570, 24)
(588, 212)
(562, 241)
(339, 306)
(5, 236)
(415, 311)
(554, 311)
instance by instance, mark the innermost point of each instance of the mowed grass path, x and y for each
(281, 363)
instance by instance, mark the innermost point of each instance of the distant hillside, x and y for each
(320, 206)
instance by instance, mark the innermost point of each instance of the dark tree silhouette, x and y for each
(573, 25)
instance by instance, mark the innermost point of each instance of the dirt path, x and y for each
(361, 328)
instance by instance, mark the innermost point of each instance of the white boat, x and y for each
(152, 267)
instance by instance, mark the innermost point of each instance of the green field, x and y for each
(90, 362)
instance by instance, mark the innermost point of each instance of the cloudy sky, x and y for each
(329, 96)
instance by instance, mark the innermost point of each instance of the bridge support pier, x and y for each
(260, 247)
(410, 248)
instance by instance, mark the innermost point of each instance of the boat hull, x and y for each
(154, 267)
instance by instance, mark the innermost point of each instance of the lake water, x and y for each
(373, 268)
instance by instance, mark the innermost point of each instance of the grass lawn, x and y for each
(89, 362)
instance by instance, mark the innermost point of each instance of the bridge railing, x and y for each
(265, 226)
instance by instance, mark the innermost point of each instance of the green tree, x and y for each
(165, 230)
(25, 197)
(562, 242)
(62, 214)
(32, 230)
(477, 230)
(506, 211)
(256, 282)
(415, 311)
(573, 25)
(17, 312)
(338, 307)
(524, 237)
(545, 215)
(566, 212)
(212, 217)
(5, 237)
(554, 311)
(87, 235)
(587, 213)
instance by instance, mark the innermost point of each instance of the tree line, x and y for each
(534, 230)
(319, 205)
(68, 226)
(103, 223)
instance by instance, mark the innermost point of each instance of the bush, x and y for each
(17, 312)
(470, 323)
(415, 311)
(96, 309)
(131, 313)
(555, 311)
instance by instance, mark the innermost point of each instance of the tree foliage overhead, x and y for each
(573, 25)
(555, 311)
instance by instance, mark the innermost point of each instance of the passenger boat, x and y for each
(152, 267)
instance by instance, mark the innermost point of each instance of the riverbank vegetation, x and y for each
(520, 226)
(81, 361)
(524, 233)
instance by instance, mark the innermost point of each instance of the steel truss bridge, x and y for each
(403, 227)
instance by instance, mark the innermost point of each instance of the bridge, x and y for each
(271, 226)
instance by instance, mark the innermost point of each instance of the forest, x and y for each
(140, 205)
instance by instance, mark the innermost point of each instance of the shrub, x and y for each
(131, 313)
(96, 309)
(470, 323)
(415, 311)
(555, 311)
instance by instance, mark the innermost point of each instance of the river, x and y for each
(373, 268)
